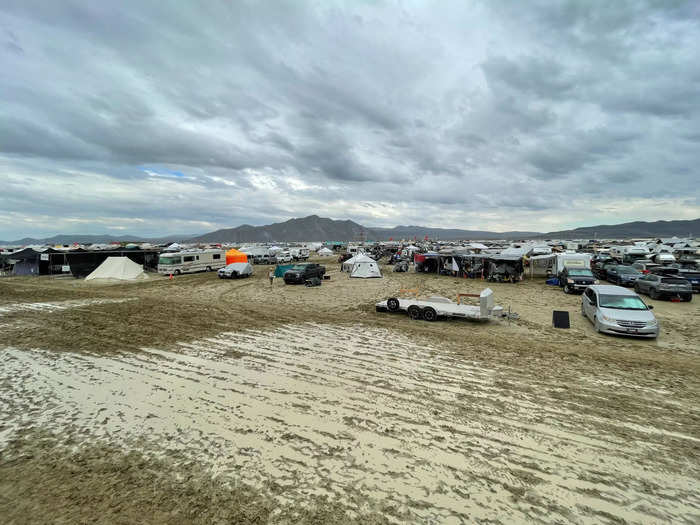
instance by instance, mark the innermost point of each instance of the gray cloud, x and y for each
(380, 112)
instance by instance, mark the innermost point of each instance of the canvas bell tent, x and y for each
(121, 268)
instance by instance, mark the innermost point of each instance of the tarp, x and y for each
(365, 269)
(121, 268)
(281, 268)
(241, 268)
(234, 256)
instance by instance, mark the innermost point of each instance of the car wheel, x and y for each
(209, 268)
(392, 304)
(636, 288)
(567, 288)
(688, 297)
(177, 272)
(654, 294)
(429, 314)
(414, 312)
(596, 325)
(583, 310)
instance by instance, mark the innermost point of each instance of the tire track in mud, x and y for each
(354, 411)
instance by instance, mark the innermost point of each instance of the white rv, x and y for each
(176, 263)
(299, 253)
(572, 260)
(629, 253)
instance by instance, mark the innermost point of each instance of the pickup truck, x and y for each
(300, 273)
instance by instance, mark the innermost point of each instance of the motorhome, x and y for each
(299, 253)
(629, 253)
(175, 263)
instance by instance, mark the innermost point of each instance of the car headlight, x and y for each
(653, 322)
(606, 318)
(570, 281)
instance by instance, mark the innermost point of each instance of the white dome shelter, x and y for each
(119, 268)
(365, 268)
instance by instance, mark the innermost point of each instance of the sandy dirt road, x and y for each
(308, 393)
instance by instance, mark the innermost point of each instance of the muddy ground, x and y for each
(292, 404)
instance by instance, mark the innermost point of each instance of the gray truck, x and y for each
(300, 273)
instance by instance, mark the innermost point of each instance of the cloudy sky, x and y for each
(184, 117)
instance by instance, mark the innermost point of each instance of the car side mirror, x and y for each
(650, 306)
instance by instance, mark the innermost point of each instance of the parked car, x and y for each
(601, 272)
(623, 275)
(284, 257)
(658, 286)
(618, 310)
(598, 261)
(576, 279)
(645, 266)
(692, 276)
(235, 270)
(300, 273)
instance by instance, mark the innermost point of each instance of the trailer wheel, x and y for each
(392, 304)
(209, 268)
(414, 312)
(429, 314)
(177, 272)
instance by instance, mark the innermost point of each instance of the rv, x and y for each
(299, 254)
(191, 261)
(629, 253)
(572, 260)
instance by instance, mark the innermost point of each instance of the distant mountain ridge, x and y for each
(94, 239)
(315, 228)
(630, 230)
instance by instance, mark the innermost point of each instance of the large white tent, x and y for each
(325, 252)
(365, 268)
(350, 263)
(121, 268)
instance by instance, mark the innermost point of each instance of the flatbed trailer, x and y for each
(437, 306)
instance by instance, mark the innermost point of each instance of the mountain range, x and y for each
(315, 228)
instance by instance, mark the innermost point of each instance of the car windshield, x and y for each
(627, 269)
(622, 302)
(299, 267)
(580, 272)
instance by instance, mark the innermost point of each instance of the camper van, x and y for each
(299, 253)
(191, 261)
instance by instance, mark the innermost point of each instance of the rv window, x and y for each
(216, 256)
(189, 258)
(197, 257)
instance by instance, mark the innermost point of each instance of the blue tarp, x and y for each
(281, 268)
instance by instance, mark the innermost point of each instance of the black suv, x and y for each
(576, 279)
(300, 273)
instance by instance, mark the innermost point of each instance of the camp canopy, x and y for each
(234, 256)
(121, 268)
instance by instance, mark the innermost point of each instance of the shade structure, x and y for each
(234, 256)
(121, 268)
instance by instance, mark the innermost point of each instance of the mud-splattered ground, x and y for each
(308, 399)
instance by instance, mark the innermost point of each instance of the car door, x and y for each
(588, 306)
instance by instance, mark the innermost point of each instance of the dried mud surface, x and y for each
(288, 399)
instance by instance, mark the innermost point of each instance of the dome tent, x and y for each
(234, 256)
(325, 252)
(348, 265)
(365, 269)
(121, 268)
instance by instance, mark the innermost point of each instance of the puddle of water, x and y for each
(346, 410)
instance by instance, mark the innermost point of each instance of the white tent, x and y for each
(365, 268)
(121, 268)
(174, 247)
(325, 252)
(350, 263)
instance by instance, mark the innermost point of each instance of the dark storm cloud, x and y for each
(283, 109)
